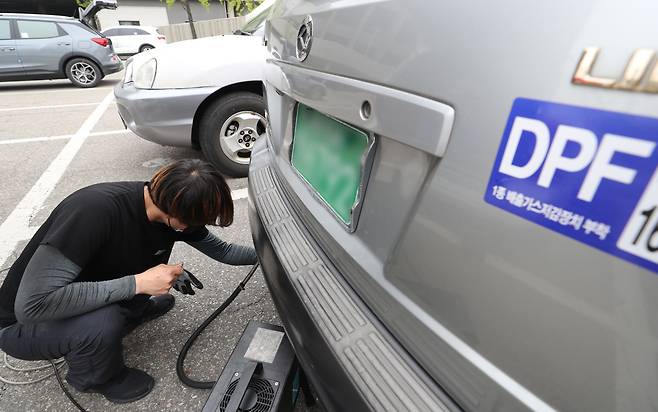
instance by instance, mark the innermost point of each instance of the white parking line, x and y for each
(26, 233)
(17, 223)
(68, 89)
(57, 106)
(60, 137)
(240, 193)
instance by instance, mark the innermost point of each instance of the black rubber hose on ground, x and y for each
(180, 367)
(66, 391)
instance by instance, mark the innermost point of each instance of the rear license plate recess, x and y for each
(333, 158)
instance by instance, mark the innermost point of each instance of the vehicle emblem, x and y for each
(636, 69)
(304, 39)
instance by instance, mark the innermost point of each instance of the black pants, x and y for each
(90, 343)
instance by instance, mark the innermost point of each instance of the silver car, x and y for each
(455, 206)
(205, 93)
(39, 47)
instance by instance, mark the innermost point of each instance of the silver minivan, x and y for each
(39, 47)
(455, 204)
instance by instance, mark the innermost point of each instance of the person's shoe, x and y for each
(130, 385)
(156, 307)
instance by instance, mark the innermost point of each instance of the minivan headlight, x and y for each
(144, 75)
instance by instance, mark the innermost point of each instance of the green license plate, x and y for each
(329, 155)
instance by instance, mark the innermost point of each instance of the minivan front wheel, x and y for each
(83, 72)
(229, 129)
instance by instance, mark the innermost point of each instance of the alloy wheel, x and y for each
(239, 133)
(83, 73)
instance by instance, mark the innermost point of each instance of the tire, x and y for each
(228, 130)
(145, 47)
(83, 72)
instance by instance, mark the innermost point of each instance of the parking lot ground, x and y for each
(43, 121)
(111, 122)
(54, 139)
(21, 100)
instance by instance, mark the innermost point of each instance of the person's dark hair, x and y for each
(193, 192)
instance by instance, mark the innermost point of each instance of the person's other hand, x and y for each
(157, 280)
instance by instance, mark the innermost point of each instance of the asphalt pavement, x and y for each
(54, 139)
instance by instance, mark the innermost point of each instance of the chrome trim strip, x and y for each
(420, 122)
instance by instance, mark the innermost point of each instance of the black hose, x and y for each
(190, 341)
(66, 391)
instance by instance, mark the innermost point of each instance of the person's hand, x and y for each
(157, 280)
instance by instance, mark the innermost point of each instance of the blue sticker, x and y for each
(588, 174)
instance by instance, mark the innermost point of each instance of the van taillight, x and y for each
(101, 41)
(162, 38)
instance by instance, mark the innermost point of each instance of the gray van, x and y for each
(39, 47)
(456, 203)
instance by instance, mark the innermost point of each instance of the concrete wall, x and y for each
(147, 12)
(207, 28)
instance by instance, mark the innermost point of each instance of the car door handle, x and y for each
(8, 49)
(63, 44)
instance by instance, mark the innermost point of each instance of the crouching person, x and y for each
(97, 268)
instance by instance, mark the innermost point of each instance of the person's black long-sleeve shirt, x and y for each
(87, 252)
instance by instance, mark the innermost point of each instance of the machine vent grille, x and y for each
(258, 397)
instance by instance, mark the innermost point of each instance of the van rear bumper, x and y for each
(351, 360)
